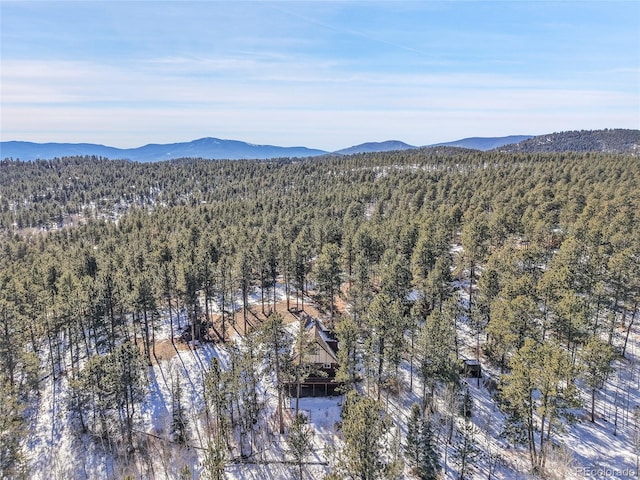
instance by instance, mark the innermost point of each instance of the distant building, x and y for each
(471, 368)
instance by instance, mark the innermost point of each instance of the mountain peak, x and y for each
(368, 147)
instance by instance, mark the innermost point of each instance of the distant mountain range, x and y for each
(216, 148)
(614, 141)
(484, 143)
(213, 148)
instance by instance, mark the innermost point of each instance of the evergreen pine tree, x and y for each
(12, 429)
(364, 427)
(179, 424)
(465, 449)
(300, 441)
(347, 333)
(277, 344)
(214, 459)
(412, 450)
(327, 275)
(420, 450)
(185, 473)
(540, 381)
(596, 357)
(429, 466)
(217, 402)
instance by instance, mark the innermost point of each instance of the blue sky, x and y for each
(320, 74)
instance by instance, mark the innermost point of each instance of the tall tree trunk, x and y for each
(170, 320)
(245, 306)
(147, 350)
(380, 365)
(50, 341)
(613, 317)
(626, 337)
(287, 290)
(223, 303)
(274, 279)
(411, 361)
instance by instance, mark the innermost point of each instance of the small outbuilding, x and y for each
(471, 368)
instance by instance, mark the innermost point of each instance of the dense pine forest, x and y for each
(421, 261)
(616, 140)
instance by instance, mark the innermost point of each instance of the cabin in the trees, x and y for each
(471, 368)
(321, 355)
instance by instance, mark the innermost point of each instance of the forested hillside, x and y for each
(150, 315)
(608, 141)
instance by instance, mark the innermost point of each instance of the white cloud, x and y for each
(272, 99)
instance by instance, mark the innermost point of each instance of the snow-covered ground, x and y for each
(604, 449)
